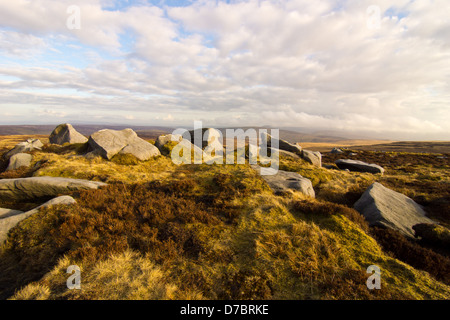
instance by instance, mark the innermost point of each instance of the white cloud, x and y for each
(284, 63)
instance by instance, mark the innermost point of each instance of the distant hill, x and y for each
(152, 132)
(143, 131)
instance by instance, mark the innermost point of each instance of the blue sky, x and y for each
(286, 63)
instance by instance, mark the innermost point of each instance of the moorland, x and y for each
(165, 231)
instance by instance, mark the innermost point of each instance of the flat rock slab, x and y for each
(359, 166)
(387, 208)
(19, 160)
(11, 219)
(285, 180)
(107, 143)
(66, 133)
(40, 187)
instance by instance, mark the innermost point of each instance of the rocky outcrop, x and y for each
(42, 187)
(284, 181)
(268, 140)
(313, 157)
(387, 208)
(9, 220)
(359, 166)
(26, 146)
(65, 133)
(19, 160)
(108, 143)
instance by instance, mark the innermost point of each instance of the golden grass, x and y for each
(125, 276)
(78, 167)
(208, 232)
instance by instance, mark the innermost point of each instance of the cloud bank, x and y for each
(379, 67)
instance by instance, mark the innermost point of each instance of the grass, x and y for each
(161, 231)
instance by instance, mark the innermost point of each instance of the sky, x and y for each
(377, 68)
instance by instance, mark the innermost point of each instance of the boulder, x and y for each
(282, 144)
(107, 143)
(285, 180)
(9, 221)
(313, 157)
(19, 160)
(161, 141)
(26, 146)
(387, 208)
(42, 187)
(336, 151)
(359, 166)
(65, 133)
(209, 136)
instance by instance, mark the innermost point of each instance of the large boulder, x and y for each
(19, 160)
(108, 143)
(387, 208)
(65, 133)
(359, 166)
(22, 147)
(284, 181)
(268, 140)
(42, 187)
(313, 157)
(10, 219)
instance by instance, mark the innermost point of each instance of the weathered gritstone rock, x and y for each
(285, 180)
(161, 141)
(359, 166)
(41, 187)
(65, 133)
(107, 143)
(387, 208)
(268, 140)
(313, 157)
(19, 160)
(26, 146)
(9, 220)
(209, 137)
